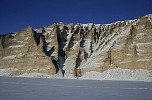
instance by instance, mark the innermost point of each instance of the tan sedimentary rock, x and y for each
(84, 47)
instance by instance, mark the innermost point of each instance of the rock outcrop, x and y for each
(79, 48)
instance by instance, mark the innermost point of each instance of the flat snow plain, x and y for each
(17, 88)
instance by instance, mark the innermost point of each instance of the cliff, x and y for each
(79, 48)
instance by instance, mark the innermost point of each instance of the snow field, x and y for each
(110, 74)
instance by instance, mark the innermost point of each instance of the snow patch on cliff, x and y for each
(16, 46)
(9, 57)
(7, 72)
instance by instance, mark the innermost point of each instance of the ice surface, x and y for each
(147, 44)
(46, 89)
(35, 75)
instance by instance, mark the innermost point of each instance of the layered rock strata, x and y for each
(79, 48)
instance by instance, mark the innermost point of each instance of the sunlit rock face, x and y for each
(79, 48)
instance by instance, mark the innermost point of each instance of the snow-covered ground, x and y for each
(110, 74)
(51, 89)
(120, 74)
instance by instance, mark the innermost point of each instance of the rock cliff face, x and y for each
(79, 48)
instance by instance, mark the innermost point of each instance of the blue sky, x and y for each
(15, 15)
